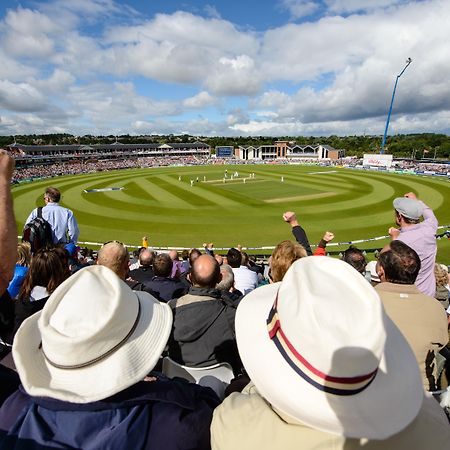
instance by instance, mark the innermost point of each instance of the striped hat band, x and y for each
(315, 377)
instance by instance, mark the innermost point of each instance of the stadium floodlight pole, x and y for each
(408, 62)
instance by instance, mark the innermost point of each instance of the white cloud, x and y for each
(28, 33)
(193, 49)
(20, 97)
(330, 75)
(350, 6)
(299, 8)
(234, 76)
(201, 100)
(212, 11)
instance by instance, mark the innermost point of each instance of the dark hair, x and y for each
(401, 264)
(245, 259)
(234, 257)
(408, 219)
(162, 265)
(49, 267)
(206, 279)
(194, 253)
(355, 257)
(53, 194)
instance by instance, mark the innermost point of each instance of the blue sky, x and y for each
(280, 67)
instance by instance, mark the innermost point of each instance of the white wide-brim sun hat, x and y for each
(94, 338)
(321, 350)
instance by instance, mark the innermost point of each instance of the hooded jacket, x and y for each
(203, 330)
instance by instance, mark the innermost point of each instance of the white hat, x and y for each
(320, 348)
(372, 268)
(94, 338)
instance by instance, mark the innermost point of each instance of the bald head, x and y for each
(114, 255)
(146, 257)
(205, 272)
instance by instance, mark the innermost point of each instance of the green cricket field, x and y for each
(187, 206)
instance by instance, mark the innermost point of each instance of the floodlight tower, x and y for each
(408, 62)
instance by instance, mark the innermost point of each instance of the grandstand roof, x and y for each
(30, 149)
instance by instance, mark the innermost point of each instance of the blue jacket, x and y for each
(15, 284)
(163, 414)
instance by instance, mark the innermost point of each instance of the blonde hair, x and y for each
(285, 253)
(24, 254)
(441, 275)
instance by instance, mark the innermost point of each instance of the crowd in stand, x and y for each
(75, 167)
(79, 167)
(203, 350)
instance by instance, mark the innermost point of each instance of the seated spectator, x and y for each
(134, 261)
(371, 273)
(114, 255)
(442, 292)
(285, 253)
(329, 369)
(245, 280)
(75, 264)
(203, 325)
(144, 273)
(163, 286)
(177, 267)
(48, 269)
(194, 253)
(185, 261)
(253, 265)
(219, 258)
(21, 269)
(85, 363)
(356, 258)
(226, 285)
(420, 318)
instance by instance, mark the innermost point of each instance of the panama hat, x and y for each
(408, 207)
(94, 338)
(320, 349)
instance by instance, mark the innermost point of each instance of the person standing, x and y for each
(420, 236)
(62, 221)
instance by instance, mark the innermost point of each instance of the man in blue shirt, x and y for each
(62, 221)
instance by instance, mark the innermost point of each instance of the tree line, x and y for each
(418, 146)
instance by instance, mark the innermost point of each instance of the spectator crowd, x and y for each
(113, 349)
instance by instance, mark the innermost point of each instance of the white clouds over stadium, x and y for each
(295, 67)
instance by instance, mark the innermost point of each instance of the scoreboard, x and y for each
(225, 151)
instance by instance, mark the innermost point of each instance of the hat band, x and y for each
(98, 358)
(318, 379)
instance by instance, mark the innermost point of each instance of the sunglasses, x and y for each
(113, 242)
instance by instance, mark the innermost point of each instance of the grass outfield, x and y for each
(154, 202)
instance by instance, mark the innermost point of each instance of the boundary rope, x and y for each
(272, 247)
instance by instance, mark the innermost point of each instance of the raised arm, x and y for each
(8, 230)
(321, 247)
(298, 232)
(428, 214)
